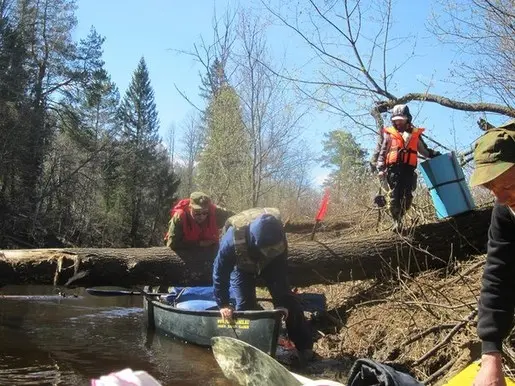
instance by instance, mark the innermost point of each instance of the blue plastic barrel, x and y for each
(450, 193)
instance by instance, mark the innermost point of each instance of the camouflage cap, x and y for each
(199, 200)
(401, 113)
(494, 154)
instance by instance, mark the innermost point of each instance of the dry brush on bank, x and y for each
(424, 324)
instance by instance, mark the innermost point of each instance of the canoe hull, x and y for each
(258, 328)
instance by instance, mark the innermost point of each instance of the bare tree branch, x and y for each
(451, 103)
(181, 93)
(346, 82)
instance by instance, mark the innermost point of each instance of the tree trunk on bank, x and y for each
(311, 262)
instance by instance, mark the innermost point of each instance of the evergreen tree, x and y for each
(141, 159)
(89, 129)
(91, 105)
(37, 52)
(346, 159)
(13, 82)
(213, 81)
(223, 167)
(138, 114)
(72, 162)
(45, 27)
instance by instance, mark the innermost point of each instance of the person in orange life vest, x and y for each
(195, 222)
(397, 160)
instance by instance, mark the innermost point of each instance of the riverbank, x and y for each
(423, 324)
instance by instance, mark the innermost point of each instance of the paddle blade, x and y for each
(120, 291)
(247, 365)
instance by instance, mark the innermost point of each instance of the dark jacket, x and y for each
(226, 259)
(497, 299)
(366, 372)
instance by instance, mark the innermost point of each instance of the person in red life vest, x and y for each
(195, 222)
(397, 160)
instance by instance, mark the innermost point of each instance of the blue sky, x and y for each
(152, 29)
(156, 29)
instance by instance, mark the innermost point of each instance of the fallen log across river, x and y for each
(346, 258)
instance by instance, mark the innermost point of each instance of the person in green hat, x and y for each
(494, 156)
(195, 222)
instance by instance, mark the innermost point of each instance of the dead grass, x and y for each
(425, 324)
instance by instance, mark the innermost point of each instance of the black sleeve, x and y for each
(497, 298)
(426, 151)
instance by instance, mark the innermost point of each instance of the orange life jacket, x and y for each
(401, 152)
(193, 231)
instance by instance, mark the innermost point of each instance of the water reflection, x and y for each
(55, 340)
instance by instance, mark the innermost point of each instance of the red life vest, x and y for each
(193, 231)
(401, 152)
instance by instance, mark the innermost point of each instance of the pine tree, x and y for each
(45, 28)
(92, 104)
(213, 81)
(13, 82)
(138, 113)
(142, 163)
(83, 139)
(346, 159)
(223, 168)
(37, 52)
(95, 110)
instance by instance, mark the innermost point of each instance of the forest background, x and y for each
(111, 111)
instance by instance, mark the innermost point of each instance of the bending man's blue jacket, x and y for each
(224, 264)
(262, 233)
(226, 260)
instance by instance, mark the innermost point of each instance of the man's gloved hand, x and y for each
(436, 153)
(372, 167)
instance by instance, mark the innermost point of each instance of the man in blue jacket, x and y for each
(254, 245)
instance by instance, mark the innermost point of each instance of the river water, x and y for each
(47, 339)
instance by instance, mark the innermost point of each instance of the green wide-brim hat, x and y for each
(494, 154)
(199, 200)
